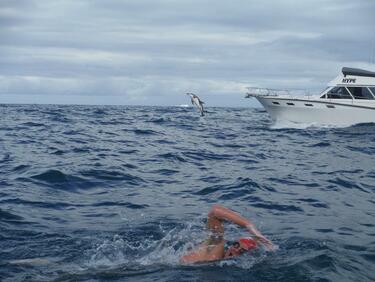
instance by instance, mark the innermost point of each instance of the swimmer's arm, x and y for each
(223, 213)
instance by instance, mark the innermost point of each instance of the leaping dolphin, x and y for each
(197, 102)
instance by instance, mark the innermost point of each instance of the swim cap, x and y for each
(248, 243)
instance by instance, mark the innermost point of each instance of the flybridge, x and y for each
(357, 72)
(353, 76)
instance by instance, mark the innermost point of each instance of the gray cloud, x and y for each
(151, 52)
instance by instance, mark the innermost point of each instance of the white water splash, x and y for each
(166, 251)
(298, 125)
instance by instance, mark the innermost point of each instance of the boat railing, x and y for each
(261, 91)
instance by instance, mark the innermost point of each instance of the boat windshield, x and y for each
(361, 93)
(338, 93)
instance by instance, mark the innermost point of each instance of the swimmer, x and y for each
(214, 248)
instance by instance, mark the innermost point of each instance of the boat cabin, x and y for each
(352, 84)
(342, 92)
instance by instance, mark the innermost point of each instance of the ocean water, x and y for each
(114, 193)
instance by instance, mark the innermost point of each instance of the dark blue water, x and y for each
(118, 193)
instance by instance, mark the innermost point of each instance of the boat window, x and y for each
(372, 90)
(290, 104)
(309, 105)
(360, 93)
(338, 93)
(330, 106)
(276, 103)
(324, 91)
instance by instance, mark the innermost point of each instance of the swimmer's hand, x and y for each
(260, 238)
(267, 243)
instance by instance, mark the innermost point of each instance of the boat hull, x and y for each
(316, 112)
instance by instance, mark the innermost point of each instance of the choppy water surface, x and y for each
(118, 193)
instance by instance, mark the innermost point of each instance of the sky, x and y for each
(151, 52)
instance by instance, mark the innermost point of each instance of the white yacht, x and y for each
(348, 99)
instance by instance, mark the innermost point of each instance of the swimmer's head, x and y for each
(248, 243)
(241, 246)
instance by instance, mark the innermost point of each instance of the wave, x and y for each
(113, 175)
(121, 204)
(56, 176)
(51, 176)
(277, 207)
(241, 188)
(56, 179)
(159, 120)
(166, 172)
(347, 183)
(33, 124)
(6, 158)
(367, 150)
(293, 182)
(320, 144)
(50, 205)
(201, 155)
(175, 156)
(7, 216)
(146, 132)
